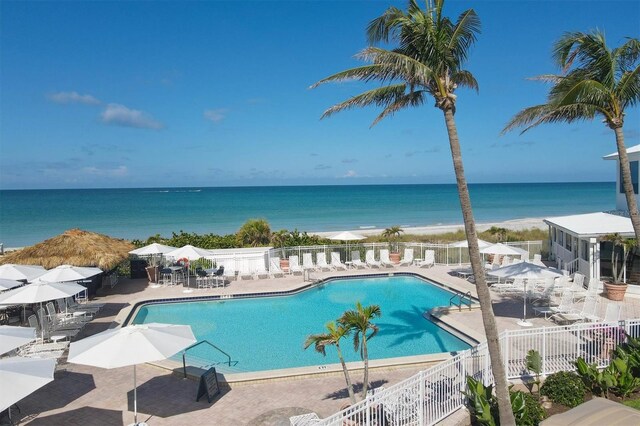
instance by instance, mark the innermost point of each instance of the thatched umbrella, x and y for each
(74, 247)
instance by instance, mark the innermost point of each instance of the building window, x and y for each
(585, 249)
(568, 242)
(633, 165)
(553, 234)
(560, 238)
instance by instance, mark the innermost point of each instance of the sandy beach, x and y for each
(514, 225)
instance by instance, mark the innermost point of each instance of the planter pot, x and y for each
(615, 291)
(284, 265)
(152, 273)
(394, 257)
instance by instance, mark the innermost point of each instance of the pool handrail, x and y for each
(184, 353)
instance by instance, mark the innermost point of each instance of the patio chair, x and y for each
(203, 280)
(537, 260)
(307, 262)
(74, 305)
(544, 291)
(304, 420)
(61, 304)
(588, 313)
(77, 319)
(218, 276)
(384, 258)
(294, 265)
(565, 306)
(246, 274)
(577, 287)
(321, 261)
(355, 260)
(370, 260)
(407, 259)
(429, 259)
(612, 314)
(274, 268)
(336, 262)
(33, 322)
(228, 275)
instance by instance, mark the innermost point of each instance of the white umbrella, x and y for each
(13, 337)
(9, 284)
(189, 252)
(23, 376)
(152, 249)
(347, 236)
(64, 273)
(21, 272)
(465, 244)
(502, 249)
(131, 345)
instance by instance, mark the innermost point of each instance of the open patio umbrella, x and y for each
(65, 273)
(190, 253)
(131, 345)
(502, 249)
(12, 337)
(465, 244)
(152, 249)
(526, 271)
(347, 236)
(10, 271)
(22, 377)
(9, 284)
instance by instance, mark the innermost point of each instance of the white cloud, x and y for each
(350, 174)
(120, 115)
(73, 98)
(119, 171)
(215, 115)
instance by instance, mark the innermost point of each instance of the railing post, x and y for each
(544, 351)
(422, 399)
(184, 364)
(367, 410)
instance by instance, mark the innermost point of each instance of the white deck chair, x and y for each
(307, 262)
(588, 313)
(355, 260)
(384, 258)
(304, 420)
(577, 287)
(565, 306)
(408, 257)
(370, 259)
(537, 260)
(321, 261)
(429, 259)
(274, 268)
(229, 274)
(612, 314)
(506, 261)
(294, 265)
(336, 262)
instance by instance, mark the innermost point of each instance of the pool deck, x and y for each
(82, 395)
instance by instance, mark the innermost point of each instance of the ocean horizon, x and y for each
(30, 216)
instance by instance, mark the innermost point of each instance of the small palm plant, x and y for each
(358, 320)
(617, 261)
(393, 233)
(254, 233)
(335, 332)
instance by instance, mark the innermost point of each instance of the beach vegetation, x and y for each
(254, 233)
(358, 321)
(595, 81)
(618, 260)
(427, 64)
(182, 238)
(334, 333)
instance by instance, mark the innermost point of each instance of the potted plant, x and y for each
(616, 289)
(279, 239)
(393, 233)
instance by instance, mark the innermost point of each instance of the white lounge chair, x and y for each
(537, 260)
(429, 259)
(274, 268)
(307, 262)
(612, 314)
(408, 257)
(321, 261)
(304, 420)
(506, 261)
(228, 275)
(294, 265)
(565, 306)
(336, 262)
(577, 288)
(370, 260)
(355, 260)
(588, 313)
(384, 258)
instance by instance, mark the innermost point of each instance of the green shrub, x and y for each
(526, 409)
(564, 388)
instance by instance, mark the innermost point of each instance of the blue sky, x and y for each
(136, 94)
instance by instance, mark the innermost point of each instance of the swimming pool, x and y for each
(268, 333)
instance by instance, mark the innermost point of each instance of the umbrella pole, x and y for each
(135, 397)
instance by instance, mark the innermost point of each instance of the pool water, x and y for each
(269, 333)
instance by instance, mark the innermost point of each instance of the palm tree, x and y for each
(335, 333)
(428, 64)
(393, 233)
(254, 233)
(596, 81)
(359, 321)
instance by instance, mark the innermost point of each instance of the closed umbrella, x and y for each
(21, 272)
(13, 337)
(9, 284)
(22, 376)
(131, 345)
(64, 273)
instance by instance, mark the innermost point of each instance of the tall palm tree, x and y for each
(428, 64)
(596, 81)
(358, 320)
(335, 333)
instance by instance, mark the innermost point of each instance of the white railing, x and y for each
(431, 395)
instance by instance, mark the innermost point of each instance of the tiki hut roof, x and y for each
(73, 247)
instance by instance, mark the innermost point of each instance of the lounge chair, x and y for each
(577, 287)
(304, 420)
(321, 261)
(408, 257)
(246, 274)
(274, 268)
(77, 319)
(35, 323)
(370, 260)
(537, 260)
(73, 304)
(588, 313)
(565, 306)
(307, 262)
(384, 258)
(294, 265)
(612, 314)
(429, 259)
(355, 260)
(336, 262)
(228, 275)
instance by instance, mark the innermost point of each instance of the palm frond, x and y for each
(464, 35)
(547, 78)
(380, 96)
(539, 114)
(396, 65)
(580, 91)
(364, 73)
(465, 79)
(381, 28)
(413, 99)
(628, 54)
(628, 89)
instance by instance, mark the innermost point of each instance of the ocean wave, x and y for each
(367, 227)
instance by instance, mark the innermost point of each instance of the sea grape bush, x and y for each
(564, 388)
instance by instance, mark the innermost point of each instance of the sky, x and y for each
(216, 93)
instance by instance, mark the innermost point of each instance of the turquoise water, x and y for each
(268, 333)
(30, 216)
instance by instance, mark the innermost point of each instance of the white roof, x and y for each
(630, 150)
(593, 224)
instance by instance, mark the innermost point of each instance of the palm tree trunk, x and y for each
(352, 396)
(627, 182)
(488, 319)
(365, 356)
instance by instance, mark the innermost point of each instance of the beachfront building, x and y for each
(578, 242)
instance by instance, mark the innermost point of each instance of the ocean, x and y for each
(30, 216)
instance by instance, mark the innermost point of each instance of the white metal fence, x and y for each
(431, 395)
